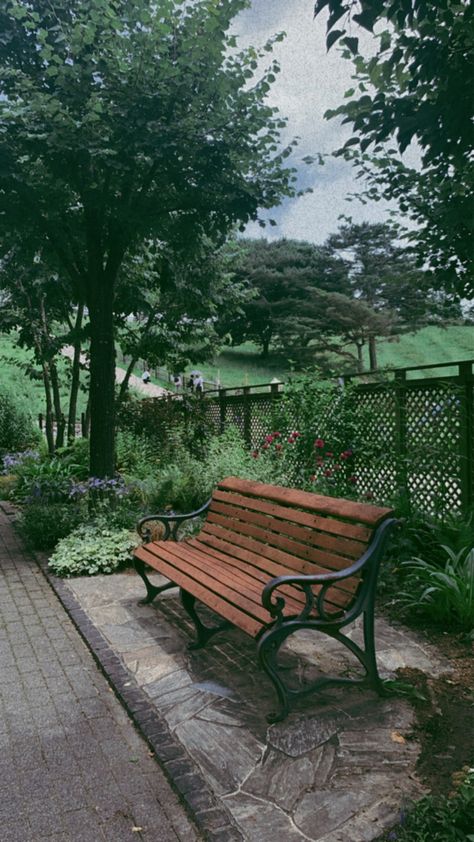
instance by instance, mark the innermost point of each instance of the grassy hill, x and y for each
(244, 365)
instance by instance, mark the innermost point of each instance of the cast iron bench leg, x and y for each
(151, 590)
(204, 633)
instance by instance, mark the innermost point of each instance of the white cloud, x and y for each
(311, 82)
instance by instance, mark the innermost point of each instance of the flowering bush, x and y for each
(327, 468)
(12, 462)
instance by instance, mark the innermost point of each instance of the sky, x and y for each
(310, 82)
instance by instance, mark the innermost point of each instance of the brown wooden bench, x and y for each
(271, 561)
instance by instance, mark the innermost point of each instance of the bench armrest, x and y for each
(177, 520)
(275, 604)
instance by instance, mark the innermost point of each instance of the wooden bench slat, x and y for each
(256, 559)
(346, 546)
(243, 579)
(336, 506)
(339, 596)
(328, 561)
(274, 539)
(354, 531)
(214, 601)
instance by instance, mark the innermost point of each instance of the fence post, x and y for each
(222, 410)
(40, 421)
(466, 435)
(401, 434)
(247, 417)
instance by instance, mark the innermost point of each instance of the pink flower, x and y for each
(319, 443)
(276, 435)
(265, 446)
(278, 447)
(295, 434)
(330, 454)
(291, 440)
(328, 473)
(269, 439)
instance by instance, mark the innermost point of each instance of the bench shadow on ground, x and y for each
(340, 767)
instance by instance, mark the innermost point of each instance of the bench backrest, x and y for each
(291, 530)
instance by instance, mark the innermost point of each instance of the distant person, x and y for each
(146, 377)
(178, 381)
(199, 383)
(191, 382)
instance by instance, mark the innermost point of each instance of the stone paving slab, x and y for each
(339, 769)
(72, 766)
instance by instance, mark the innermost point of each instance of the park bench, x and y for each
(271, 561)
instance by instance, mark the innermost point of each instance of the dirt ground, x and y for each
(445, 720)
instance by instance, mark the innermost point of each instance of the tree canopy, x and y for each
(416, 89)
(121, 122)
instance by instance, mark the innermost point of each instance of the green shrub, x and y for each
(138, 456)
(443, 593)
(17, 428)
(7, 485)
(76, 457)
(93, 548)
(438, 818)
(46, 481)
(43, 525)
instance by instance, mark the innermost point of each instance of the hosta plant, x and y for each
(93, 548)
(444, 593)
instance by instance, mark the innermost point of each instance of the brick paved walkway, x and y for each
(72, 766)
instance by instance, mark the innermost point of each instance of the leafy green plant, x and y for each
(17, 429)
(438, 818)
(42, 525)
(93, 548)
(443, 593)
(44, 481)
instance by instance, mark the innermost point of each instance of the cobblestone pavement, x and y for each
(339, 769)
(72, 766)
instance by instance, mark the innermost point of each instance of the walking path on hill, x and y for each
(150, 390)
(72, 766)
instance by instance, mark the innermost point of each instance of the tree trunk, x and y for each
(49, 408)
(126, 380)
(102, 378)
(360, 358)
(57, 405)
(372, 353)
(75, 377)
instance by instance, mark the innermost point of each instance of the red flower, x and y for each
(276, 435)
(269, 439)
(265, 446)
(291, 440)
(319, 443)
(295, 434)
(330, 454)
(328, 473)
(255, 454)
(278, 447)
(352, 480)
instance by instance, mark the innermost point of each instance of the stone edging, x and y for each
(211, 819)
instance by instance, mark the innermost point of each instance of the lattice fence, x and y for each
(421, 430)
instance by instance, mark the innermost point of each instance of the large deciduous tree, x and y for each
(281, 274)
(123, 121)
(383, 275)
(416, 89)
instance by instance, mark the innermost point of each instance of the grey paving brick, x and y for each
(72, 766)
